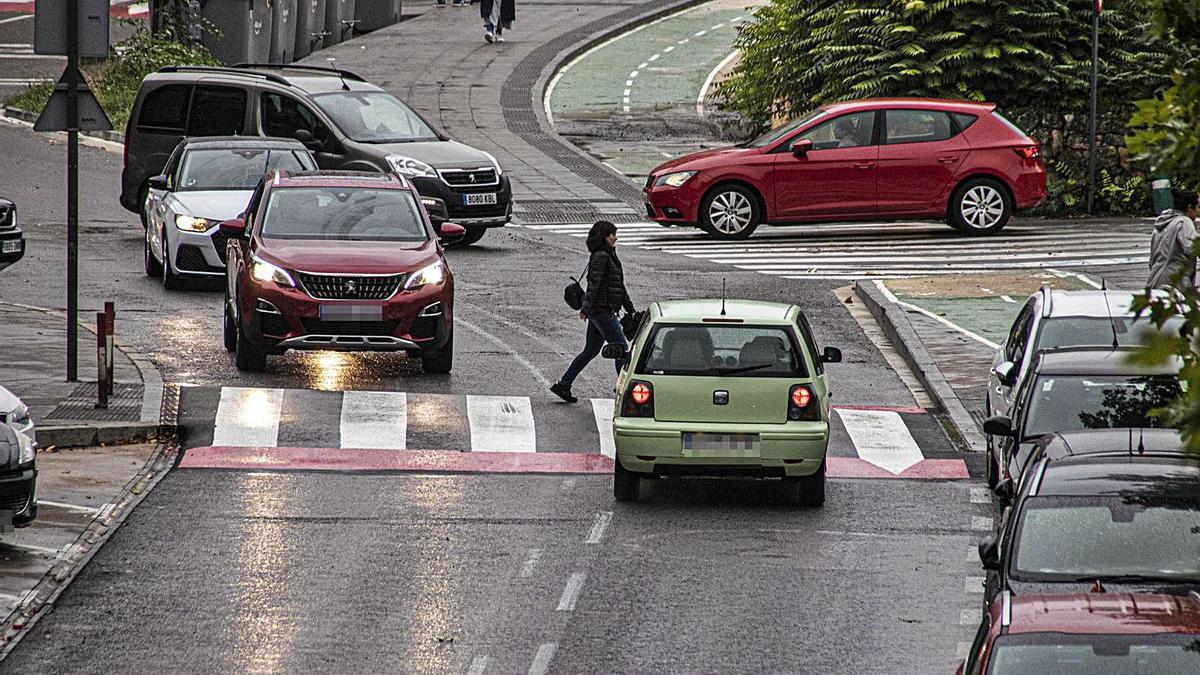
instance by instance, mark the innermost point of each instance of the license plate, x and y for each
(11, 246)
(479, 199)
(720, 445)
(352, 312)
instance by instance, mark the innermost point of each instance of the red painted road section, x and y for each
(334, 459)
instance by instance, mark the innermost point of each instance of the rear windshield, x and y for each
(1168, 654)
(344, 214)
(1010, 125)
(1081, 331)
(717, 349)
(236, 169)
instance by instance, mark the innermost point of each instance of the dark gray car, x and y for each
(347, 122)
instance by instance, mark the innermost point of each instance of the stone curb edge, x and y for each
(29, 118)
(895, 324)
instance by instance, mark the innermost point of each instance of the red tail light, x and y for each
(802, 404)
(1028, 151)
(639, 400)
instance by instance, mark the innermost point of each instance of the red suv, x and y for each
(889, 159)
(338, 260)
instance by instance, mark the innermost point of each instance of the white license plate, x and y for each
(720, 445)
(11, 246)
(352, 312)
(479, 198)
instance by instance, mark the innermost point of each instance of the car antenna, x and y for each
(722, 296)
(1131, 441)
(1112, 323)
(1141, 440)
(332, 60)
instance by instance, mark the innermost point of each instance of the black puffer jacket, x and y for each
(605, 283)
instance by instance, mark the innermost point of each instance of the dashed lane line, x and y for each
(531, 561)
(542, 659)
(478, 665)
(570, 594)
(596, 535)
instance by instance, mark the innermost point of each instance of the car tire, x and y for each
(248, 356)
(730, 211)
(473, 235)
(980, 206)
(626, 484)
(152, 266)
(143, 195)
(990, 472)
(441, 361)
(170, 280)
(812, 488)
(231, 332)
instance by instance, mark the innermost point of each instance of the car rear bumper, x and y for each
(1029, 189)
(17, 496)
(790, 449)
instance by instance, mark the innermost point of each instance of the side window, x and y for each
(810, 343)
(217, 111)
(164, 110)
(252, 207)
(964, 120)
(917, 126)
(283, 116)
(172, 167)
(1018, 337)
(847, 131)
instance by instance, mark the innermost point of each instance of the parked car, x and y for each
(715, 387)
(14, 413)
(207, 181)
(18, 478)
(12, 240)
(1087, 633)
(338, 260)
(1055, 320)
(1122, 521)
(1073, 389)
(889, 159)
(347, 122)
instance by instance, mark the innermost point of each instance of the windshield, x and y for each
(236, 169)
(1078, 331)
(1083, 538)
(714, 349)
(782, 131)
(344, 214)
(1076, 402)
(1059, 653)
(374, 117)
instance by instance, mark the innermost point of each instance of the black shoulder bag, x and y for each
(573, 293)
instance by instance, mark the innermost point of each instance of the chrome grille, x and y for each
(348, 287)
(469, 177)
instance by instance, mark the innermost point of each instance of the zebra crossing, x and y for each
(895, 250)
(264, 427)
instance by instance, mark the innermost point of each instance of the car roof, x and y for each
(311, 79)
(1094, 441)
(255, 142)
(1090, 303)
(1104, 613)
(1098, 361)
(346, 179)
(949, 105)
(696, 311)
(1131, 476)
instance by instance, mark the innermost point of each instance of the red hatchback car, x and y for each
(890, 159)
(1088, 634)
(338, 260)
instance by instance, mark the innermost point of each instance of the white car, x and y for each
(207, 180)
(15, 414)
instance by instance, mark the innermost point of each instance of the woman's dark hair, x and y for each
(598, 234)
(1183, 199)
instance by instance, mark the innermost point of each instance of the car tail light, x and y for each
(639, 400)
(802, 404)
(1028, 151)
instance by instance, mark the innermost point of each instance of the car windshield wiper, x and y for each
(743, 369)
(1134, 579)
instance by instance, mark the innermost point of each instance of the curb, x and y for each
(95, 434)
(895, 324)
(30, 118)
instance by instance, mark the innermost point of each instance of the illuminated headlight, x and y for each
(262, 270)
(192, 223)
(409, 166)
(433, 274)
(27, 451)
(674, 179)
(499, 171)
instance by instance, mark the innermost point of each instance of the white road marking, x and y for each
(643, 64)
(940, 319)
(70, 507)
(501, 424)
(1008, 298)
(981, 495)
(45, 550)
(16, 18)
(973, 585)
(653, 58)
(542, 659)
(968, 617)
(478, 665)
(598, 527)
(602, 410)
(571, 593)
(567, 484)
(982, 523)
(1082, 277)
(628, 83)
(248, 416)
(531, 561)
(684, 41)
(533, 370)
(626, 94)
(633, 74)
(708, 82)
(700, 33)
(374, 419)
(668, 50)
(881, 438)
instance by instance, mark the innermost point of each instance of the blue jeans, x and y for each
(601, 327)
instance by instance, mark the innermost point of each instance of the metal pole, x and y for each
(72, 189)
(1091, 198)
(101, 360)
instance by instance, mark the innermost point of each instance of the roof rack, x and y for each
(292, 66)
(270, 77)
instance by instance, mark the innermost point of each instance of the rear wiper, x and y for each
(743, 369)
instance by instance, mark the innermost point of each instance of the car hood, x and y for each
(705, 159)
(438, 154)
(213, 204)
(1045, 588)
(8, 400)
(349, 257)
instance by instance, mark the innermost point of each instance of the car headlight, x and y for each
(432, 274)
(674, 179)
(262, 270)
(27, 450)
(192, 223)
(499, 171)
(409, 166)
(20, 415)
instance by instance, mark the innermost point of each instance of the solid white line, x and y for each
(478, 665)
(1008, 298)
(501, 424)
(981, 495)
(248, 416)
(571, 593)
(16, 18)
(374, 419)
(882, 438)
(541, 660)
(602, 411)
(531, 561)
(708, 82)
(70, 507)
(533, 370)
(597, 534)
(887, 293)
(1082, 277)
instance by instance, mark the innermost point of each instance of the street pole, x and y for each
(72, 189)
(1091, 197)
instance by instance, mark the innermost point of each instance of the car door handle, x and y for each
(948, 159)
(864, 165)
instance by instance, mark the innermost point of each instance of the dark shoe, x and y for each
(563, 392)
(489, 36)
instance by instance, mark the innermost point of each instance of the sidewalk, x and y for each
(33, 366)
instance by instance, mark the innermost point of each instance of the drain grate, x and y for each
(573, 211)
(125, 405)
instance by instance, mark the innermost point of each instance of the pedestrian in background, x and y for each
(498, 16)
(605, 295)
(1172, 257)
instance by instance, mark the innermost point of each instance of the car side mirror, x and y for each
(989, 553)
(998, 425)
(1005, 490)
(801, 147)
(1006, 373)
(451, 232)
(614, 351)
(831, 355)
(160, 182)
(306, 137)
(234, 229)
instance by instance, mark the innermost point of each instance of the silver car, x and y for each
(206, 181)
(15, 414)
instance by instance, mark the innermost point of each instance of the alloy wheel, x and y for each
(730, 212)
(982, 207)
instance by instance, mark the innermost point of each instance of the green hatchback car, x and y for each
(714, 387)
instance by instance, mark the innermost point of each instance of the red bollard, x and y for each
(101, 354)
(110, 313)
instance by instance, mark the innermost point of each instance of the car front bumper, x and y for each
(18, 496)
(197, 253)
(447, 203)
(651, 447)
(11, 239)
(668, 205)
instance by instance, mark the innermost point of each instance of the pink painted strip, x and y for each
(909, 410)
(927, 469)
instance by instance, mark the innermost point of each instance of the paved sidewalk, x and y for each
(34, 368)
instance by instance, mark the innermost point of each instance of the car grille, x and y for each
(338, 287)
(320, 327)
(219, 240)
(272, 324)
(469, 177)
(16, 503)
(424, 327)
(190, 258)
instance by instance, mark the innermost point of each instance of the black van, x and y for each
(347, 122)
